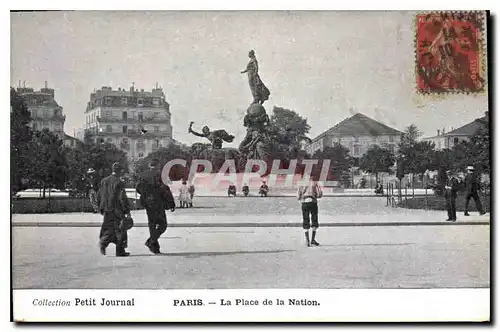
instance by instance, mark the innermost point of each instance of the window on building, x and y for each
(33, 113)
(124, 129)
(141, 155)
(124, 100)
(140, 102)
(108, 101)
(455, 141)
(157, 129)
(156, 115)
(125, 140)
(46, 113)
(109, 140)
(124, 116)
(391, 148)
(141, 116)
(34, 126)
(391, 138)
(107, 113)
(156, 101)
(356, 139)
(109, 129)
(57, 126)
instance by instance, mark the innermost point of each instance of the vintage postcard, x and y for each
(250, 166)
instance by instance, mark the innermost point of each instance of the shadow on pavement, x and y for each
(213, 253)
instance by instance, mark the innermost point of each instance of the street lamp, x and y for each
(400, 171)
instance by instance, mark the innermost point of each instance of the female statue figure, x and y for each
(259, 91)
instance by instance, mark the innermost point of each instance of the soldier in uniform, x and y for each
(155, 197)
(472, 189)
(450, 193)
(114, 206)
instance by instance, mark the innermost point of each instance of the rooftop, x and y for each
(359, 125)
(107, 91)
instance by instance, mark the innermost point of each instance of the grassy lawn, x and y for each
(439, 203)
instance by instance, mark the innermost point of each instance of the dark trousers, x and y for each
(479, 206)
(451, 207)
(111, 232)
(310, 213)
(157, 223)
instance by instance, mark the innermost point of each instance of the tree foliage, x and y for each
(376, 160)
(49, 164)
(20, 143)
(340, 161)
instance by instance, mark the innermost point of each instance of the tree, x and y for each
(288, 131)
(480, 148)
(20, 142)
(408, 138)
(49, 164)
(165, 154)
(376, 160)
(340, 161)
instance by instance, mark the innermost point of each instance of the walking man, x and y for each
(472, 191)
(114, 206)
(156, 197)
(450, 193)
(308, 195)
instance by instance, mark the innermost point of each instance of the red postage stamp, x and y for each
(449, 52)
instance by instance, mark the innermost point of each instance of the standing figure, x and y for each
(156, 197)
(191, 194)
(114, 206)
(450, 193)
(259, 91)
(215, 137)
(93, 185)
(472, 191)
(184, 196)
(308, 195)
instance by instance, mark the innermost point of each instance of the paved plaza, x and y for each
(262, 257)
(378, 247)
(270, 211)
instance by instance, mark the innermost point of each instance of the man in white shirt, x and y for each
(308, 195)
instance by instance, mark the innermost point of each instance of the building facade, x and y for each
(357, 133)
(447, 140)
(137, 122)
(45, 111)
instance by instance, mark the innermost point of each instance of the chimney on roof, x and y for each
(132, 88)
(19, 83)
(46, 85)
(438, 132)
(443, 131)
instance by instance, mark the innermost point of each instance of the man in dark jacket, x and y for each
(155, 197)
(472, 191)
(114, 206)
(450, 193)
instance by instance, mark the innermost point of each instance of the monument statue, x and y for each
(259, 91)
(256, 143)
(215, 137)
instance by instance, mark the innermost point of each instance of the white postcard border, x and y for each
(314, 305)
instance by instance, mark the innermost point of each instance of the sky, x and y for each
(325, 65)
